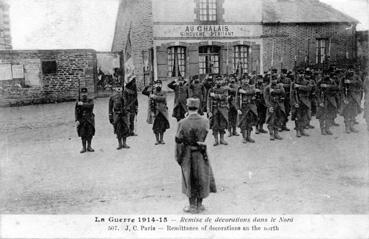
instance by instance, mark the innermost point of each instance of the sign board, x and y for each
(5, 72)
(32, 74)
(206, 31)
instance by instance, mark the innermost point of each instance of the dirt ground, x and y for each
(42, 170)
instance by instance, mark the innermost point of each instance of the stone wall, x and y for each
(74, 69)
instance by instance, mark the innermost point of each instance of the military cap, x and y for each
(84, 90)
(193, 103)
(284, 71)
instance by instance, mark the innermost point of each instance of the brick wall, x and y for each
(139, 14)
(74, 68)
(291, 40)
(5, 36)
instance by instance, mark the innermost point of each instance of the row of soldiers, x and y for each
(245, 102)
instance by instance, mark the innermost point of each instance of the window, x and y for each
(176, 61)
(209, 59)
(240, 58)
(208, 10)
(48, 67)
(321, 50)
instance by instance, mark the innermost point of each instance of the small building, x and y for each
(5, 36)
(43, 76)
(190, 37)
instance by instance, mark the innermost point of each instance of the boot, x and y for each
(192, 207)
(347, 128)
(276, 135)
(248, 137)
(303, 133)
(328, 131)
(257, 131)
(125, 143)
(298, 133)
(222, 141)
(120, 145)
(89, 148)
(262, 130)
(284, 128)
(162, 138)
(322, 127)
(244, 140)
(271, 133)
(352, 129)
(229, 132)
(83, 150)
(235, 132)
(216, 142)
(157, 139)
(200, 207)
(309, 126)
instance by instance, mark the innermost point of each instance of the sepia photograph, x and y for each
(186, 108)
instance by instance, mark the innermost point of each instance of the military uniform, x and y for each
(260, 104)
(180, 96)
(119, 118)
(218, 112)
(286, 82)
(197, 90)
(85, 120)
(191, 154)
(233, 107)
(351, 87)
(327, 104)
(248, 110)
(158, 111)
(276, 116)
(130, 94)
(301, 104)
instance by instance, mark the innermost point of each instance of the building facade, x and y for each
(5, 37)
(185, 38)
(43, 76)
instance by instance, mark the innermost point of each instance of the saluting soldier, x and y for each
(197, 90)
(217, 110)
(247, 109)
(130, 94)
(352, 87)
(180, 89)
(119, 118)
(286, 80)
(233, 106)
(274, 100)
(158, 110)
(327, 103)
(301, 104)
(85, 120)
(260, 84)
(191, 154)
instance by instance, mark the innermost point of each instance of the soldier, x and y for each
(180, 96)
(312, 97)
(191, 154)
(286, 80)
(366, 97)
(119, 117)
(85, 120)
(130, 94)
(196, 89)
(247, 109)
(233, 106)
(352, 87)
(158, 110)
(327, 103)
(274, 100)
(301, 104)
(217, 109)
(260, 104)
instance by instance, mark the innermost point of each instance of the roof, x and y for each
(302, 11)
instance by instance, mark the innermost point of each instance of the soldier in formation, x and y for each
(119, 117)
(180, 89)
(85, 120)
(260, 84)
(130, 93)
(233, 106)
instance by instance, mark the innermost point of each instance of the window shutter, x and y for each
(162, 62)
(254, 59)
(192, 59)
